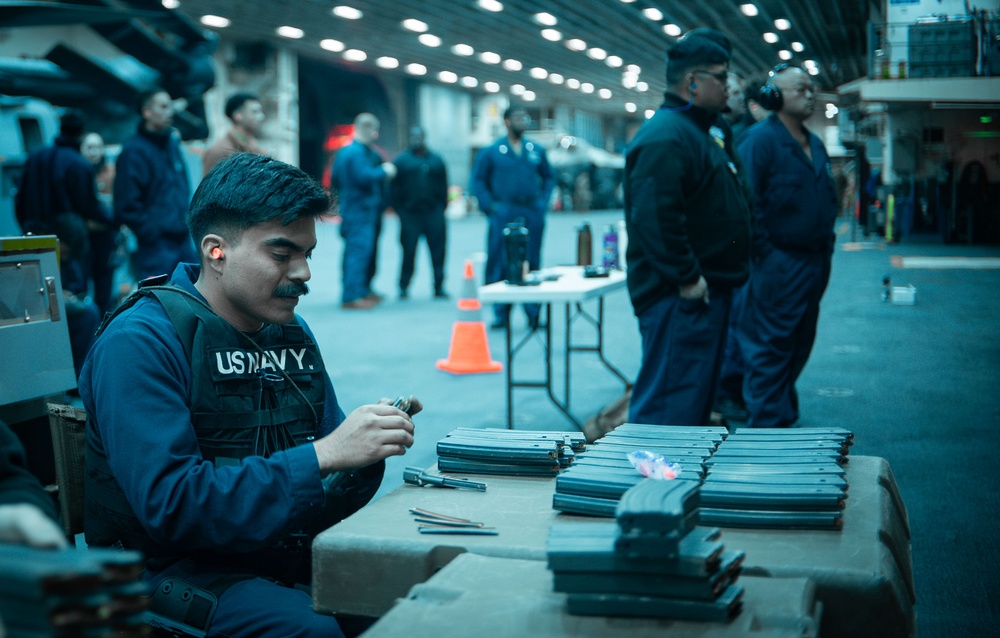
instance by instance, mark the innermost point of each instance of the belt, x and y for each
(519, 201)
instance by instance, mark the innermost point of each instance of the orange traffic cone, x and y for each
(470, 351)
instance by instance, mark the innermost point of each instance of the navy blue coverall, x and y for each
(795, 205)
(512, 186)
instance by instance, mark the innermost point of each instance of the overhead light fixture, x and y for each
(749, 10)
(831, 111)
(586, 87)
(215, 21)
(576, 44)
(630, 107)
(517, 89)
(798, 47)
(512, 65)
(552, 35)
(572, 83)
(331, 45)
(649, 113)
(627, 1)
(469, 82)
(596, 53)
(782, 24)
(491, 87)
(489, 57)
(556, 78)
(347, 13)
(652, 13)
(633, 68)
(170, 4)
(809, 63)
(629, 79)
(785, 54)
(429, 40)
(812, 70)
(642, 87)
(414, 68)
(528, 96)
(672, 30)
(294, 33)
(491, 5)
(605, 94)
(538, 73)
(448, 77)
(770, 37)
(613, 61)
(417, 26)
(355, 55)
(387, 62)
(462, 49)
(546, 19)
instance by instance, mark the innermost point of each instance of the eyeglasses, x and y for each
(721, 76)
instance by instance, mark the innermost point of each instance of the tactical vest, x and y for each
(248, 397)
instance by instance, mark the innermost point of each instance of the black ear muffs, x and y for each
(770, 97)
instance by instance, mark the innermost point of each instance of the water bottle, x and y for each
(515, 237)
(584, 245)
(610, 247)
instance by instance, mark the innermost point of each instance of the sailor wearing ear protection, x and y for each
(686, 211)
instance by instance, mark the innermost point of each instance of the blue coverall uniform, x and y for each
(795, 205)
(511, 186)
(359, 177)
(139, 404)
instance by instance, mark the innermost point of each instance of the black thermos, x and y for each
(515, 237)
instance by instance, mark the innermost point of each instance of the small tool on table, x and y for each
(434, 523)
(417, 476)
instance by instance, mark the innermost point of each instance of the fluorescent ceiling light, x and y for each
(812, 70)
(546, 19)
(642, 87)
(652, 13)
(290, 32)
(347, 13)
(355, 55)
(785, 54)
(798, 47)
(572, 83)
(429, 40)
(491, 87)
(387, 62)
(605, 94)
(416, 69)
(749, 10)
(596, 53)
(331, 45)
(417, 26)
(538, 73)
(613, 61)
(649, 113)
(630, 107)
(448, 77)
(469, 82)
(576, 44)
(586, 87)
(491, 5)
(552, 35)
(528, 96)
(782, 24)
(215, 21)
(633, 68)
(512, 65)
(517, 89)
(770, 38)
(462, 49)
(170, 4)
(490, 57)
(556, 78)
(672, 29)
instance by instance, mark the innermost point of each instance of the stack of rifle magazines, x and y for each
(599, 476)
(56, 593)
(654, 561)
(778, 479)
(509, 452)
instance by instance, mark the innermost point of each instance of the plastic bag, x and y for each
(653, 466)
